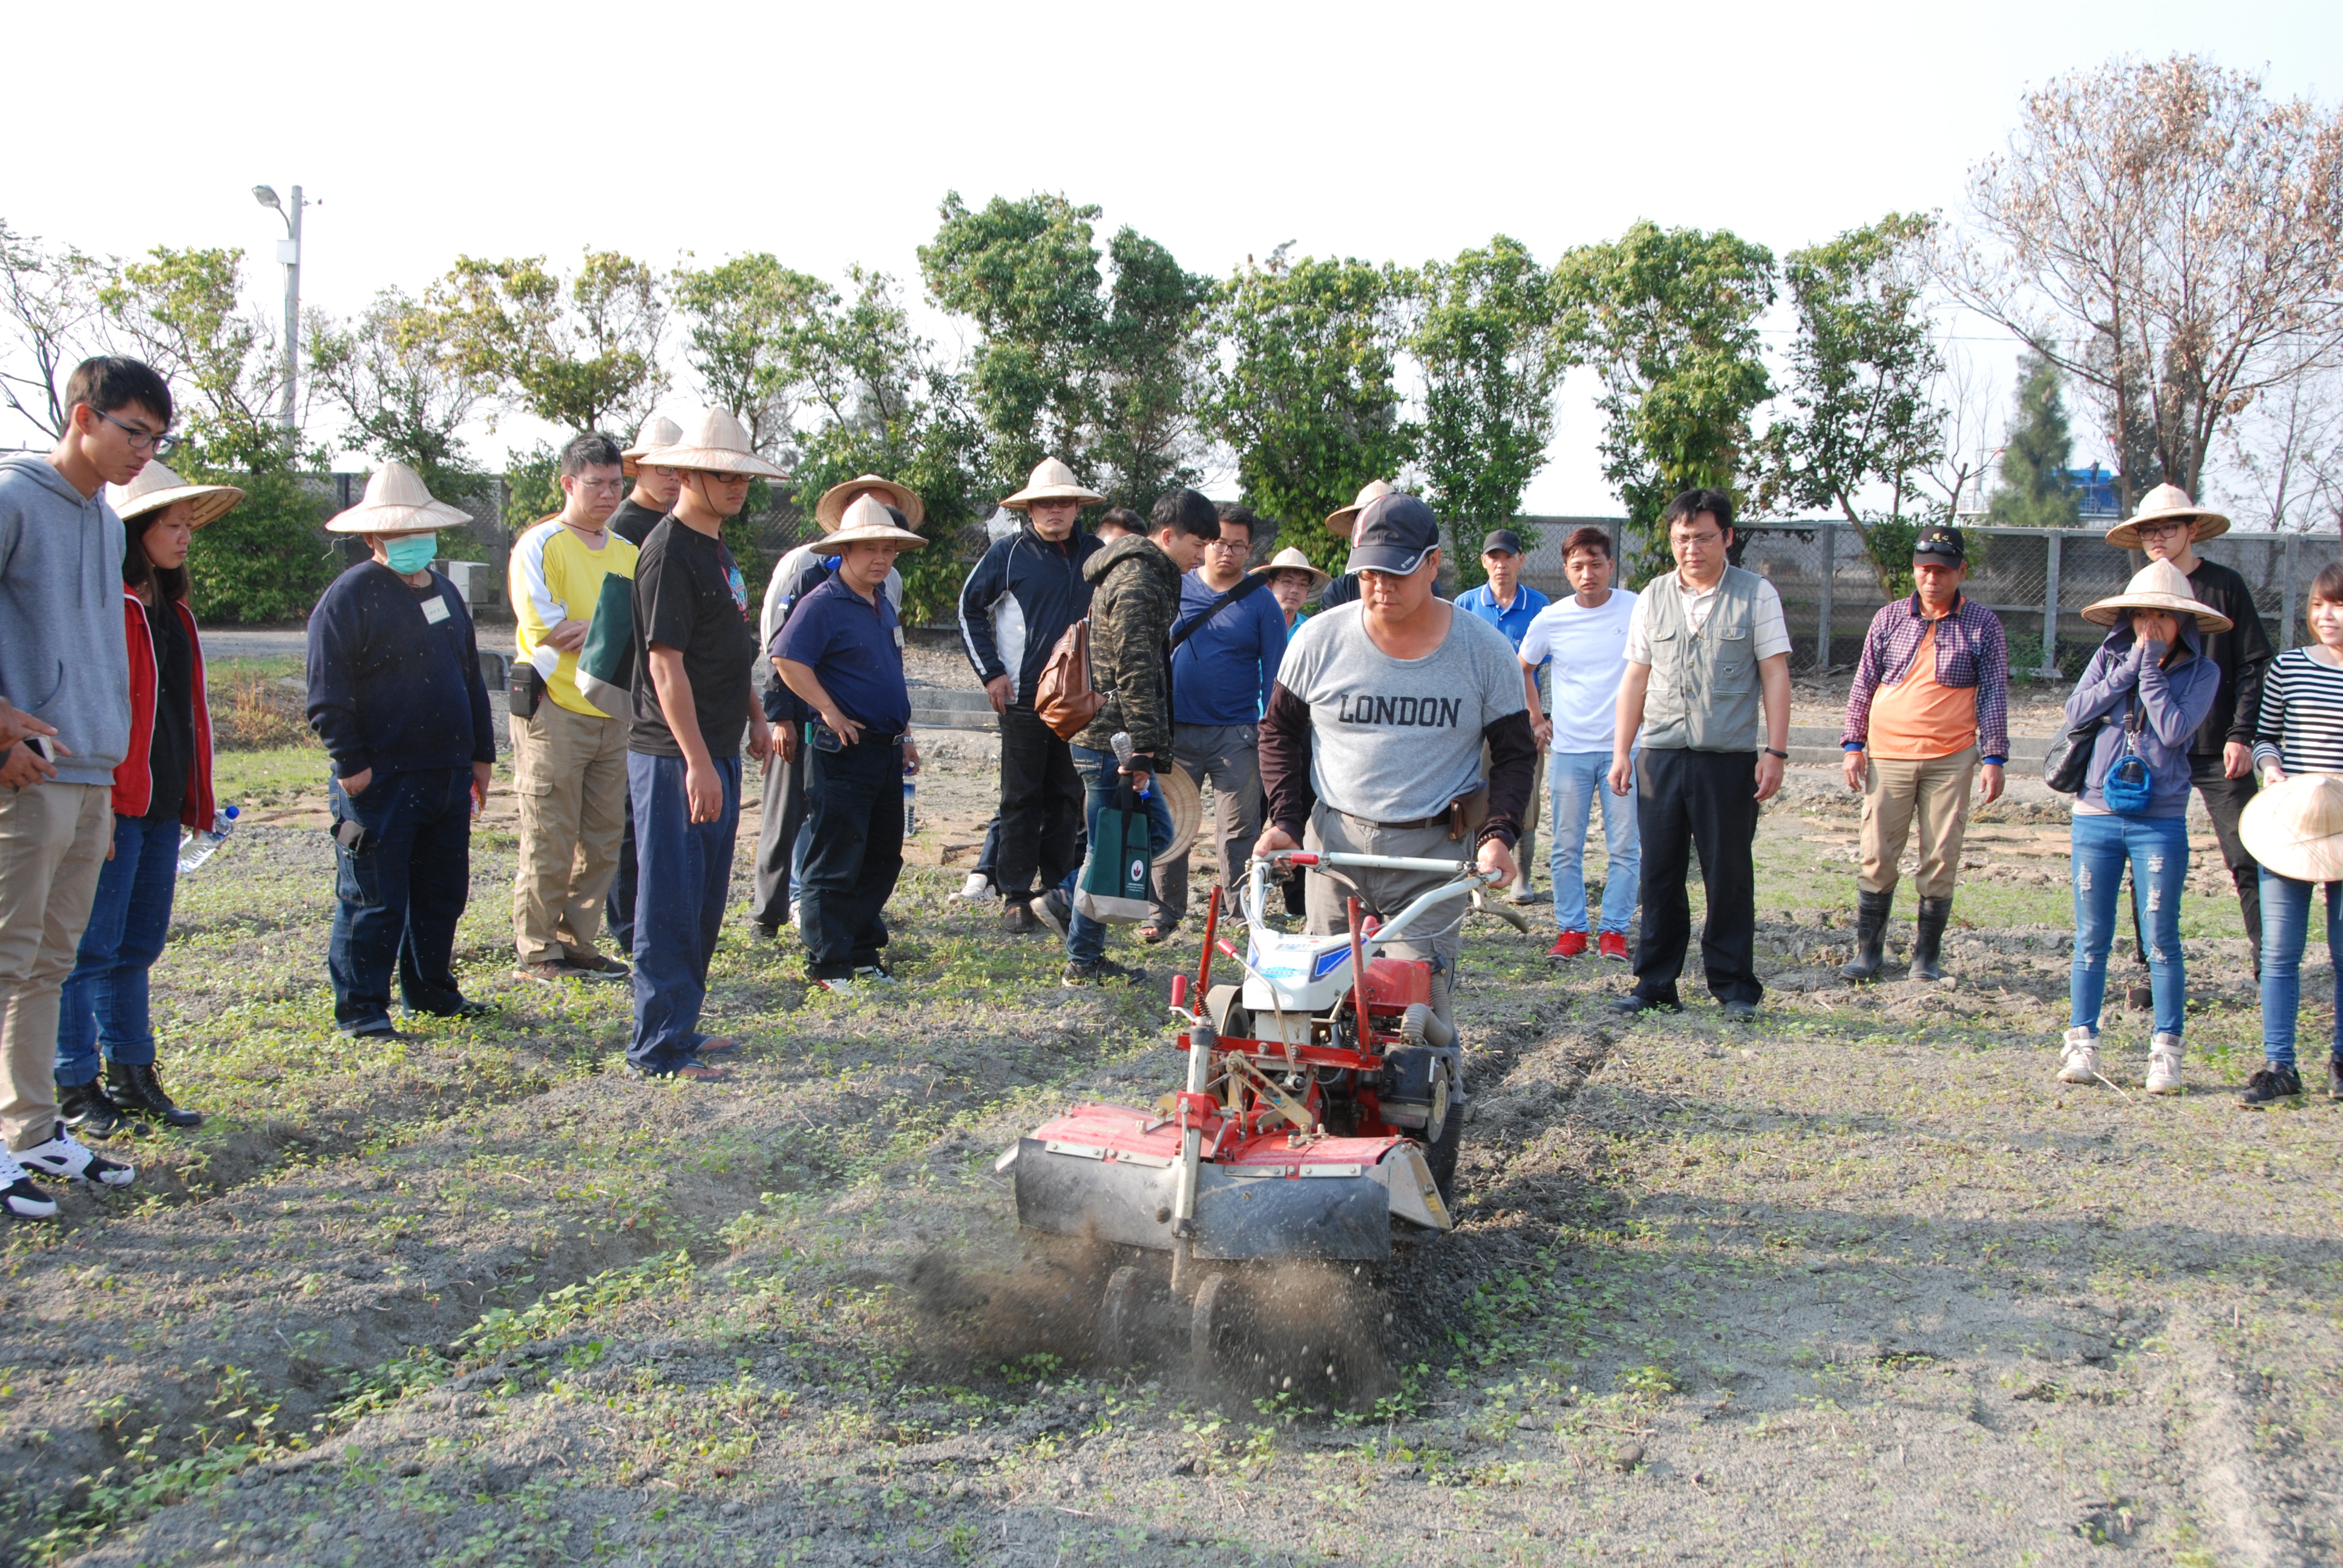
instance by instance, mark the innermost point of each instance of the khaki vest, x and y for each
(1703, 695)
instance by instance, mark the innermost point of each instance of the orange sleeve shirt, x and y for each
(1918, 720)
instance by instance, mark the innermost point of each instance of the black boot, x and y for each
(1929, 937)
(84, 1107)
(139, 1093)
(1870, 911)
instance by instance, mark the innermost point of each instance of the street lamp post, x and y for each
(288, 252)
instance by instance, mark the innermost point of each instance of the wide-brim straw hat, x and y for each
(1052, 481)
(1340, 520)
(156, 487)
(658, 431)
(1186, 804)
(2295, 827)
(1290, 559)
(2167, 501)
(2159, 585)
(830, 510)
(866, 522)
(397, 502)
(714, 443)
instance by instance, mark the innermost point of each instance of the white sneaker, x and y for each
(794, 923)
(19, 1196)
(837, 985)
(63, 1158)
(976, 888)
(2078, 1060)
(871, 974)
(2164, 1064)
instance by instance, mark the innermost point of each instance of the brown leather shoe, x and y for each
(1017, 917)
(545, 971)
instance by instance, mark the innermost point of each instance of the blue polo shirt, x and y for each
(855, 649)
(1512, 620)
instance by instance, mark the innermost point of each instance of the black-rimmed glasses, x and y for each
(153, 443)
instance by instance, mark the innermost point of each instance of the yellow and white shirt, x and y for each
(556, 576)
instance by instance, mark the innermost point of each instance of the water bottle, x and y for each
(1120, 741)
(199, 847)
(911, 790)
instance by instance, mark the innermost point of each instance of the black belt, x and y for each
(868, 738)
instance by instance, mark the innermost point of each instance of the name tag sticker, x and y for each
(898, 636)
(435, 609)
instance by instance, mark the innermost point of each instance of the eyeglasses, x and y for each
(2163, 530)
(1700, 541)
(611, 486)
(153, 443)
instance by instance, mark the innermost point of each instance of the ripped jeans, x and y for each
(2157, 848)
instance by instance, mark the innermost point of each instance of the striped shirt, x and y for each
(2301, 724)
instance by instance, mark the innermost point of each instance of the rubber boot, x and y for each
(1929, 937)
(1870, 911)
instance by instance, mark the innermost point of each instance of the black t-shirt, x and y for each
(171, 757)
(633, 521)
(689, 596)
(2243, 654)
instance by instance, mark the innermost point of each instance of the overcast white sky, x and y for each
(827, 133)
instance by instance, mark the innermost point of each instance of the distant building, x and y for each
(2096, 492)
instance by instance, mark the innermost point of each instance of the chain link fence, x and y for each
(2036, 579)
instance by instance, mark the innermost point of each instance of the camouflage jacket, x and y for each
(1134, 595)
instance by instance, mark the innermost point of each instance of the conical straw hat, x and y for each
(156, 487)
(2156, 586)
(397, 502)
(2160, 503)
(1052, 481)
(2295, 827)
(714, 443)
(1290, 559)
(866, 522)
(832, 509)
(659, 430)
(1186, 804)
(1339, 520)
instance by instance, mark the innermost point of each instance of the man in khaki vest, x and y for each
(1706, 647)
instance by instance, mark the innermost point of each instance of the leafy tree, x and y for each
(880, 404)
(2169, 238)
(1099, 374)
(1863, 379)
(49, 298)
(1483, 336)
(1668, 318)
(397, 381)
(581, 353)
(745, 322)
(1307, 394)
(2033, 492)
(180, 311)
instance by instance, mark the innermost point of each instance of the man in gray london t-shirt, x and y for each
(1373, 741)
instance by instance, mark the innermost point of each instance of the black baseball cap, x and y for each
(1395, 534)
(1503, 539)
(1939, 544)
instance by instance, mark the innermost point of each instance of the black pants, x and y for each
(2225, 802)
(619, 904)
(1040, 805)
(1708, 798)
(855, 818)
(400, 893)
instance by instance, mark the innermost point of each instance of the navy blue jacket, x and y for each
(1019, 601)
(391, 688)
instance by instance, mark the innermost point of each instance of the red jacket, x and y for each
(133, 781)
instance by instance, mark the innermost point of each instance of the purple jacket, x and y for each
(2174, 701)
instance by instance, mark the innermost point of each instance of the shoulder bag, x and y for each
(1063, 697)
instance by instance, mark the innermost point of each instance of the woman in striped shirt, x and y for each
(2301, 730)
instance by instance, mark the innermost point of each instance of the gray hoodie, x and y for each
(63, 655)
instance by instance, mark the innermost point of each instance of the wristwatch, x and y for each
(1770, 752)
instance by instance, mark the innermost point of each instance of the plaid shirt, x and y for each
(1970, 651)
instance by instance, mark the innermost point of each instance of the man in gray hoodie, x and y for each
(63, 660)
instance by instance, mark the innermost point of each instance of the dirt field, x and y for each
(1856, 1283)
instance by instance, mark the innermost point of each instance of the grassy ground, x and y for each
(1858, 1282)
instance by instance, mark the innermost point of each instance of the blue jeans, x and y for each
(1576, 781)
(683, 876)
(105, 1002)
(401, 892)
(2286, 930)
(1086, 937)
(2157, 848)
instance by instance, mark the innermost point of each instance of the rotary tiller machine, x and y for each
(1319, 1124)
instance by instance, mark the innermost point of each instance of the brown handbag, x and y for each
(1063, 697)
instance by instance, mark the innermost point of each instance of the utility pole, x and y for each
(288, 252)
